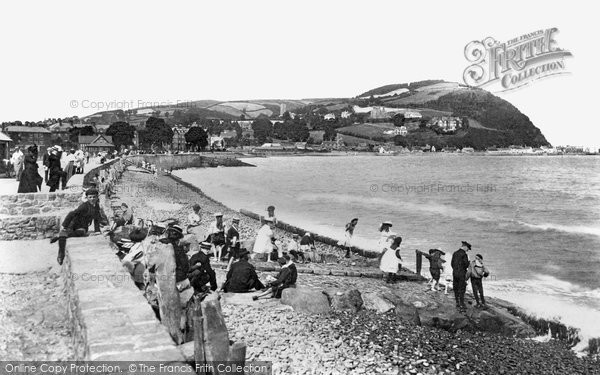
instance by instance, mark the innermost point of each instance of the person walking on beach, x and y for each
(391, 259)
(436, 266)
(460, 264)
(77, 222)
(477, 272)
(264, 239)
(349, 232)
(271, 213)
(31, 181)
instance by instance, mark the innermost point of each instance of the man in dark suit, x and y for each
(201, 272)
(242, 276)
(232, 240)
(77, 222)
(460, 264)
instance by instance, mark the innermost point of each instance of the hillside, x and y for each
(486, 120)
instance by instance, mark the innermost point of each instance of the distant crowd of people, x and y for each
(58, 165)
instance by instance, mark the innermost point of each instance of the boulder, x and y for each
(488, 322)
(373, 301)
(349, 300)
(306, 300)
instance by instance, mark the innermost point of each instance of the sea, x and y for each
(534, 219)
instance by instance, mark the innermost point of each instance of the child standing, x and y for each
(478, 271)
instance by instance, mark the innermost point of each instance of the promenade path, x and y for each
(10, 185)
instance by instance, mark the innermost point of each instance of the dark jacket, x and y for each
(231, 233)
(54, 171)
(201, 272)
(460, 263)
(30, 178)
(46, 159)
(82, 217)
(182, 263)
(307, 240)
(242, 277)
(287, 276)
(435, 260)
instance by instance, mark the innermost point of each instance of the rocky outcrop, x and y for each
(374, 301)
(349, 300)
(306, 300)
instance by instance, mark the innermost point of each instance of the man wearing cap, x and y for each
(77, 222)
(216, 231)
(264, 239)
(201, 272)
(242, 277)
(460, 264)
(232, 240)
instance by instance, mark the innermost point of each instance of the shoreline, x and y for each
(254, 224)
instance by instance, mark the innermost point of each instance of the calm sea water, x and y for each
(535, 220)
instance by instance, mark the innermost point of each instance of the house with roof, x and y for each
(28, 135)
(96, 143)
(4, 145)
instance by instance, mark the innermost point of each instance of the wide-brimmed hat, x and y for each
(176, 229)
(432, 251)
(468, 245)
(91, 191)
(479, 256)
(387, 223)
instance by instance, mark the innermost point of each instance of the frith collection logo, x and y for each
(506, 66)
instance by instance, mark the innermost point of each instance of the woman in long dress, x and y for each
(31, 181)
(384, 231)
(391, 259)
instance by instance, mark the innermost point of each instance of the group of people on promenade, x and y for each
(58, 164)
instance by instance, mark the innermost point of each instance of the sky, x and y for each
(65, 58)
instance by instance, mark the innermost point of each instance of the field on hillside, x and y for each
(368, 130)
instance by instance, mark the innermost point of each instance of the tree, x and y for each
(196, 137)
(122, 133)
(74, 133)
(263, 128)
(157, 133)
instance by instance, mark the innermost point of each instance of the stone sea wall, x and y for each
(182, 161)
(110, 318)
(38, 203)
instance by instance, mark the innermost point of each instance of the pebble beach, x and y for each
(342, 342)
